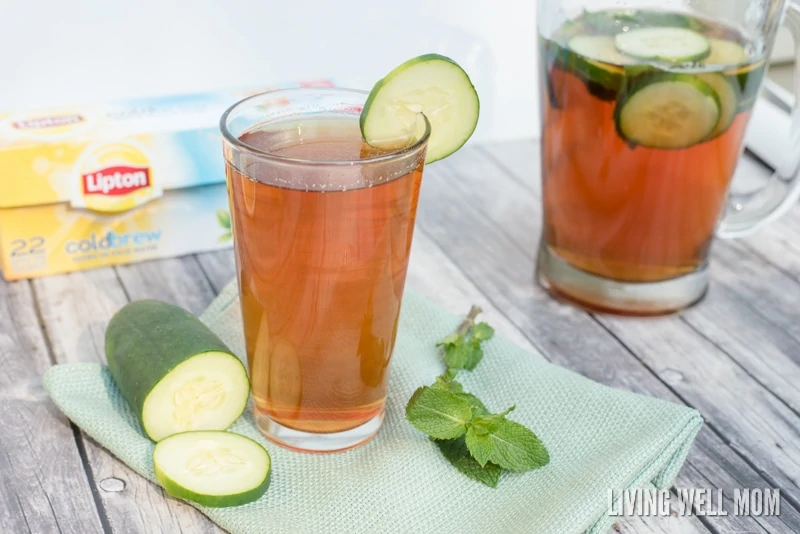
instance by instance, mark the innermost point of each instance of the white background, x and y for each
(89, 51)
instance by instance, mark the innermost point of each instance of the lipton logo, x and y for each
(113, 177)
(40, 123)
(119, 180)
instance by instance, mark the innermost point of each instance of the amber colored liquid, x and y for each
(631, 214)
(321, 269)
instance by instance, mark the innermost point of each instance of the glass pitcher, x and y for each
(644, 108)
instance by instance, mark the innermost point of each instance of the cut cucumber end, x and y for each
(431, 85)
(668, 111)
(173, 371)
(205, 392)
(670, 45)
(214, 469)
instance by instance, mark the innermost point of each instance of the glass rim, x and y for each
(241, 145)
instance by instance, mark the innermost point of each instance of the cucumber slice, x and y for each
(432, 85)
(748, 82)
(215, 469)
(550, 57)
(671, 45)
(173, 371)
(725, 52)
(668, 111)
(600, 48)
(667, 19)
(614, 22)
(596, 60)
(608, 22)
(728, 101)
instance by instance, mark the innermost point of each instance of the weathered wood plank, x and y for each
(180, 281)
(219, 268)
(457, 224)
(43, 484)
(731, 319)
(76, 309)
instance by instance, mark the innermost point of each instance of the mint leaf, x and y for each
(478, 408)
(452, 339)
(474, 354)
(438, 413)
(484, 425)
(457, 453)
(516, 447)
(482, 332)
(480, 445)
(224, 219)
(450, 375)
(457, 354)
(445, 384)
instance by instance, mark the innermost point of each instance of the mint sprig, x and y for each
(477, 442)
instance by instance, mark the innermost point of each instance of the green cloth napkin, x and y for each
(599, 439)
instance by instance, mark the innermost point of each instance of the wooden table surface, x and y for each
(735, 358)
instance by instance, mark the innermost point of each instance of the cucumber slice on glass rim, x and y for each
(668, 111)
(213, 468)
(671, 45)
(431, 85)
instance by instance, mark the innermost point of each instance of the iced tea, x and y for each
(644, 113)
(323, 232)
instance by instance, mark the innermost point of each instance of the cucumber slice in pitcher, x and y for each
(668, 111)
(747, 81)
(614, 22)
(667, 19)
(600, 48)
(433, 85)
(725, 52)
(596, 60)
(212, 468)
(728, 101)
(671, 45)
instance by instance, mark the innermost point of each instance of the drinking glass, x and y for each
(638, 150)
(322, 227)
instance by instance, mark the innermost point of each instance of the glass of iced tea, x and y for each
(322, 227)
(644, 109)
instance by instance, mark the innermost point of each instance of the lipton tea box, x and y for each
(84, 187)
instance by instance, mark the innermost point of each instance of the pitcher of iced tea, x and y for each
(644, 110)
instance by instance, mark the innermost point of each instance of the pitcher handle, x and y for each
(748, 213)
